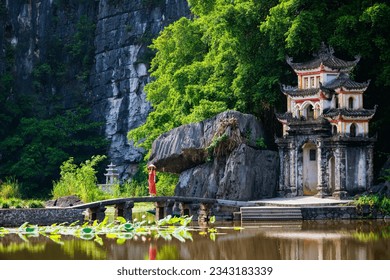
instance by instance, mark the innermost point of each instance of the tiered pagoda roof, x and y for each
(326, 58)
(360, 113)
(295, 92)
(342, 81)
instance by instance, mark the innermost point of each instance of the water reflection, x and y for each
(329, 240)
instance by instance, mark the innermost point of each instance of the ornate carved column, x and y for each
(321, 170)
(340, 172)
(282, 176)
(293, 168)
(370, 165)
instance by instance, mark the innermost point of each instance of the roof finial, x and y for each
(324, 52)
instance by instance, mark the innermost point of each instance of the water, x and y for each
(328, 240)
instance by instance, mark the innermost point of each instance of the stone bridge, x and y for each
(200, 208)
(165, 205)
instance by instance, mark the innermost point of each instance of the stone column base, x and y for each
(340, 195)
(321, 192)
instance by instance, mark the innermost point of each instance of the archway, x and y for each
(310, 112)
(310, 169)
(334, 130)
(352, 130)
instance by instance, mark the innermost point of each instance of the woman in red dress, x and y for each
(152, 180)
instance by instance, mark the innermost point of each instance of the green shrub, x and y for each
(260, 143)
(10, 188)
(4, 205)
(385, 205)
(374, 201)
(134, 188)
(35, 204)
(166, 184)
(79, 180)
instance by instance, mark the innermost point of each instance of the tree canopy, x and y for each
(231, 55)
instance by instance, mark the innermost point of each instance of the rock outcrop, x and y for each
(246, 174)
(64, 201)
(243, 173)
(184, 147)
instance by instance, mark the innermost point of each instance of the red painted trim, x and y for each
(309, 99)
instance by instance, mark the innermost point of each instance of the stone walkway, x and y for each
(301, 201)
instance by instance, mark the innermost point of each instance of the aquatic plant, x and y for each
(121, 230)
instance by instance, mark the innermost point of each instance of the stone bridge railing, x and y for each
(199, 208)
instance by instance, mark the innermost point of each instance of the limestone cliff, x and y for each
(124, 31)
(93, 52)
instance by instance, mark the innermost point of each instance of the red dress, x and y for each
(152, 182)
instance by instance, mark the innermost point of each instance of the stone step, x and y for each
(270, 213)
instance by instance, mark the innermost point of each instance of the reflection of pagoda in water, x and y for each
(325, 148)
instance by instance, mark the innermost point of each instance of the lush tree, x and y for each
(34, 152)
(231, 55)
(208, 64)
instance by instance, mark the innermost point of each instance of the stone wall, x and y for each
(39, 216)
(338, 213)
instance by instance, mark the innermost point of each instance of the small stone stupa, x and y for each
(112, 177)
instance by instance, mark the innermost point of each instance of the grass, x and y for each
(14, 203)
(373, 202)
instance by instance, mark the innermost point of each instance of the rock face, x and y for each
(184, 147)
(245, 173)
(123, 32)
(37, 30)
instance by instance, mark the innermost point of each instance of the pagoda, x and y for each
(112, 175)
(325, 149)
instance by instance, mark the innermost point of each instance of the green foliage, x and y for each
(20, 203)
(10, 188)
(386, 175)
(38, 147)
(81, 47)
(134, 188)
(79, 180)
(211, 149)
(374, 202)
(206, 65)
(260, 143)
(166, 184)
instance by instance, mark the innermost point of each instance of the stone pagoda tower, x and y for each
(325, 149)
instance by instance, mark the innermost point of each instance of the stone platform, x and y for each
(309, 208)
(302, 201)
